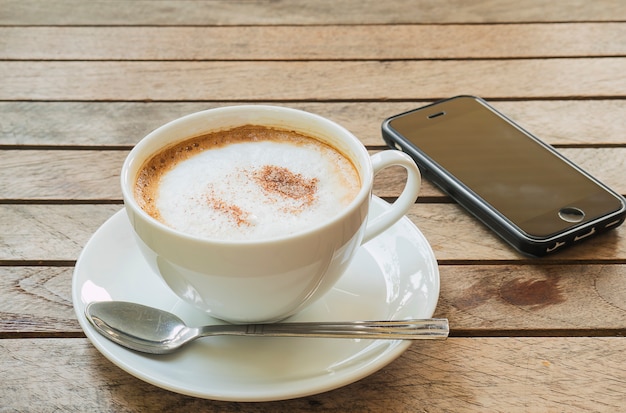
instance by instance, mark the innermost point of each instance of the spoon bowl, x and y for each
(150, 330)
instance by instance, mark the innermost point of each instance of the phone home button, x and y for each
(571, 214)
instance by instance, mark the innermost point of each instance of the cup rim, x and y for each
(359, 158)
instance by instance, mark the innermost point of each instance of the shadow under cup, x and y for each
(261, 280)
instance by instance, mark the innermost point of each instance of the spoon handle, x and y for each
(435, 328)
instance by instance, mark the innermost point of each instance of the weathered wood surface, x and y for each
(82, 82)
(312, 80)
(225, 12)
(49, 232)
(83, 124)
(459, 375)
(365, 42)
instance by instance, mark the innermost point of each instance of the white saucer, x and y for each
(394, 276)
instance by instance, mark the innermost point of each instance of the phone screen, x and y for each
(507, 168)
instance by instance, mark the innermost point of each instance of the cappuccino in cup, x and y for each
(251, 182)
(251, 213)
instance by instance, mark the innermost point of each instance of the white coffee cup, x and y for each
(263, 280)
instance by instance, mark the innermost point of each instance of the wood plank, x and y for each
(37, 299)
(560, 122)
(94, 174)
(298, 12)
(313, 42)
(521, 298)
(460, 374)
(280, 81)
(500, 300)
(35, 233)
(52, 174)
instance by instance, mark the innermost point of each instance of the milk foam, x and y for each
(256, 189)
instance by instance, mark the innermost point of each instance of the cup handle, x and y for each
(407, 198)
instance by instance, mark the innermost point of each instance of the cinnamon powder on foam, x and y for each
(273, 179)
(282, 181)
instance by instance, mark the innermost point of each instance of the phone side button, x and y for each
(613, 223)
(588, 234)
(555, 246)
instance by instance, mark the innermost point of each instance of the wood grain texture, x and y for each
(313, 42)
(460, 375)
(59, 232)
(224, 12)
(56, 174)
(316, 81)
(101, 124)
(37, 300)
(34, 233)
(562, 299)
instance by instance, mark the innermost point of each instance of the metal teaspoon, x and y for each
(150, 330)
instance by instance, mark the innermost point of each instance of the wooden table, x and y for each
(82, 81)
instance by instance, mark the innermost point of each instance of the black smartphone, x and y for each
(520, 187)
